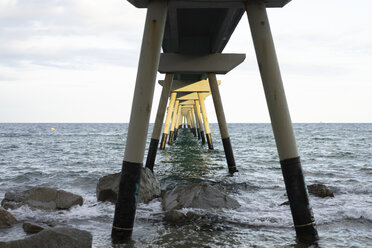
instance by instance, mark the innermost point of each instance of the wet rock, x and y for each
(41, 198)
(108, 187)
(6, 218)
(53, 238)
(202, 196)
(319, 190)
(149, 187)
(200, 220)
(177, 217)
(286, 203)
(31, 228)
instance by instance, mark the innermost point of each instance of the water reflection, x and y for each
(186, 159)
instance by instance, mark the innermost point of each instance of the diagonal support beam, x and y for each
(125, 208)
(281, 122)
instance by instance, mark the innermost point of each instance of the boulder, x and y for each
(31, 228)
(177, 217)
(202, 196)
(6, 218)
(108, 187)
(41, 198)
(149, 187)
(203, 220)
(53, 238)
(319, 190)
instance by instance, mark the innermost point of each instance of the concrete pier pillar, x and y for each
(125, 208)
(178, 122)
(198, 117)
(205, 121)
(281, 123)
(174, 120)
(222, 123)
(192, 118)
(168, 120)
(196, 122)
(153, 148)
(189, 122)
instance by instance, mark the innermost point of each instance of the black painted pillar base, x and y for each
(209, 140)
(198, 131)
(298, 197)
(170, 139)
(175, 134)
(163, 141)
(126, 204)
(229, 155)
(202, 137)
(193, 130)
(151, 155)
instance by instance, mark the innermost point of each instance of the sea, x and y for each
(73, 157)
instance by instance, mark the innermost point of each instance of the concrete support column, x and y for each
(188, 120)
(192, 118)
(168, 120)
(125, 208)
(178, 122)
(198, 118)
(205, 120)
(153, 148)
(281, 123)
(196, 122)
(174, 120)
(222, 123)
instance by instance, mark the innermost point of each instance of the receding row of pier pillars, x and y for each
(193, 39)
(186, 107)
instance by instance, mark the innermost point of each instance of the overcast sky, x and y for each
(76, 61)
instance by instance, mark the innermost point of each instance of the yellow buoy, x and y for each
(52, 129)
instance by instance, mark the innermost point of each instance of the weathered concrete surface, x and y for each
(202, 196)
(41, 198)
(53, 238)
(108, 187)
(6, 218)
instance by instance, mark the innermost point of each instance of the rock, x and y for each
(149, 187)
(31, 228)
(53, 238)
(6, 218)
(286, 203)
(202, 196)
(201, 221)
(108, 187)
(177, 217)
(319, 190)
(41, 198)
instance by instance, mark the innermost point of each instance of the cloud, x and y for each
(61, 58)
(73, 34)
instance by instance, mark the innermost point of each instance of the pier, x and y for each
(193, 35)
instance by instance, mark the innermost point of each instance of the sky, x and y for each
(76, 61)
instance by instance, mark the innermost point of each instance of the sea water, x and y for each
(74, 156)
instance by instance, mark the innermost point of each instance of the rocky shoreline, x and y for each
(194, 196)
